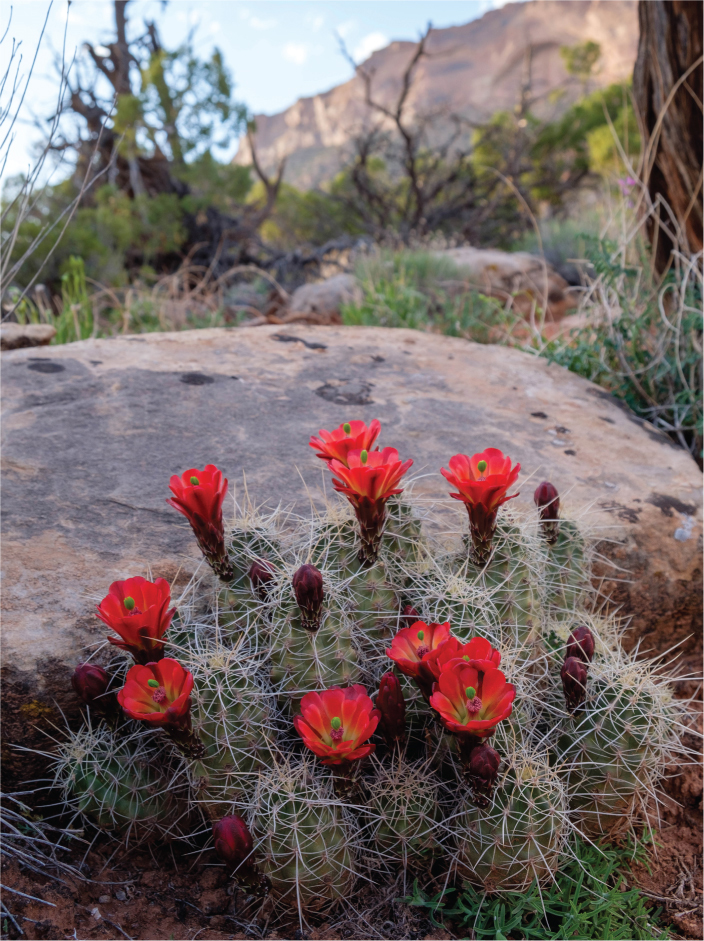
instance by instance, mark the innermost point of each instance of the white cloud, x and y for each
(344, 29)
(369, 44)
(316, 22)
(256, 23)
(296, 52)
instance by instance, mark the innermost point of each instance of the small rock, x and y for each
(105, 899)
(121, 896)
(15, 336)
(320, 303)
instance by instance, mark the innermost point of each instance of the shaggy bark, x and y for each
(667, 87)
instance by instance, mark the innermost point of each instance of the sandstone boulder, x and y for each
(93, 430)
(17, 336)
(520, 277)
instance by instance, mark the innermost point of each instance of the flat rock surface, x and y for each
(93, 430)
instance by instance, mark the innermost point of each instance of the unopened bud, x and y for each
(308, 587)
(233, 841)
(484, 762)
(409, 615)
(581, 644)
(548, 502)
(90, 681)
(574, 682)
(261, 573)
(392, 706)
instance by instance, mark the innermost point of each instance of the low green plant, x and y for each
(589, 898)
(421, 290)
(75, 321)
(646, 347)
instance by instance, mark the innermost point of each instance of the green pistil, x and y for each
(466, 657)
(153, 683)
(129, 603)
(347, 428)
(471, 692)
(363, 457)
(481, 467)
(195, 481)
(421, 635)
(336, 722)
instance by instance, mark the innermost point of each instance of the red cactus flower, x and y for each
(350, 436)
(471, 702)
(335, 723)
(160, 694)
(368, 480)
(392, 706)
(411, 648)
(482, 481)
(138, 610)
(233, 841)
(477, 652)
(199, 495)
(547, 500)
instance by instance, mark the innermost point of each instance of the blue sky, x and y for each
(278, 50)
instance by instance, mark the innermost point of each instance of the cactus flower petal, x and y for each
(199, 495)
(166, 704)
(138, 610)
(350, 436)
(482, 482)
(324, 715)
(368, 480)
(491, 689)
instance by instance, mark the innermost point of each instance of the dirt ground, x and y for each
(149, 896)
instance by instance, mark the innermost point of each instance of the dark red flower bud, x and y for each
(261, 573)
(308, 586)
(574, 682)
(233, 841)
(581, 644)
(547, 500)
(89, 681)
(484, 762)
(392, 706)
(409, 615)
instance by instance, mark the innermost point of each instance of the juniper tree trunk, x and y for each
(667, 88)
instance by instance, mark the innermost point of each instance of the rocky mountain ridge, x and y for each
(473, 70)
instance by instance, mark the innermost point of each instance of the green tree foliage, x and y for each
(545, 161)
(307, 218)
(580, 59)
(183, 105)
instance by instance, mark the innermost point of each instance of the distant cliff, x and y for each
(474, 70)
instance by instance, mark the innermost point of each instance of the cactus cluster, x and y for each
(380, 690)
